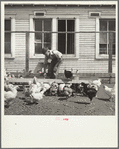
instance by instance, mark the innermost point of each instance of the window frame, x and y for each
(32, 35)
(12, 18)
(54, 37)
(102, 56)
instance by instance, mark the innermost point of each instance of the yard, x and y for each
(54, 105)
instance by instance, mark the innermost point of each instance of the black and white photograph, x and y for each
(59, 62)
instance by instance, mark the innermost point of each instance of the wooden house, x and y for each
(84, 47)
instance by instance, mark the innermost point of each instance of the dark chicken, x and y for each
(68, 74)
(90, 92)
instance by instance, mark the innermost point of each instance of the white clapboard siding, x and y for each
(20, 44)
(87, 40)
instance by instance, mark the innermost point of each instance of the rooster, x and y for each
(68, 74)
(90, 92)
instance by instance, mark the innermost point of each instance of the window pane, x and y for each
(38, 48)
(7, 25)
(7, 37)
(103, 25)
(47, 37)
(7, 47)
(70, 25)
(61, 25)
(47, 25)
(103, 49)
(112, 37)
(112, 25)
(70, 43)
(103, 38)
(113, 49)
(61, 42)
(47, 45)
(70, 37)
(61, 36)
(38, 27)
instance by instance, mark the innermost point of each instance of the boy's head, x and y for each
(44, 50)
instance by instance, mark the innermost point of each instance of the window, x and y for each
(104, 39)
(7, 37)
(66, 40)
(67, 43)
(42, 40)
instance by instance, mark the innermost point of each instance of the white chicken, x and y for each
(7, 87)
(10, 95)
(107, 88)
(45, 87)
(35, 87)
(110, 91)
(113, 91)
(61, 87)
(36, 96)
(97, 82)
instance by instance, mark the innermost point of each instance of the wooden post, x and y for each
(110, 53)
(27, 52)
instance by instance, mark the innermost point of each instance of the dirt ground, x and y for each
(53, 105)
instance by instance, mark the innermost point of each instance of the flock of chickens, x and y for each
(37, 90)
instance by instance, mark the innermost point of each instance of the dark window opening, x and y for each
(66, 40)
(7, 37)
(94, 14)
(39, 14)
